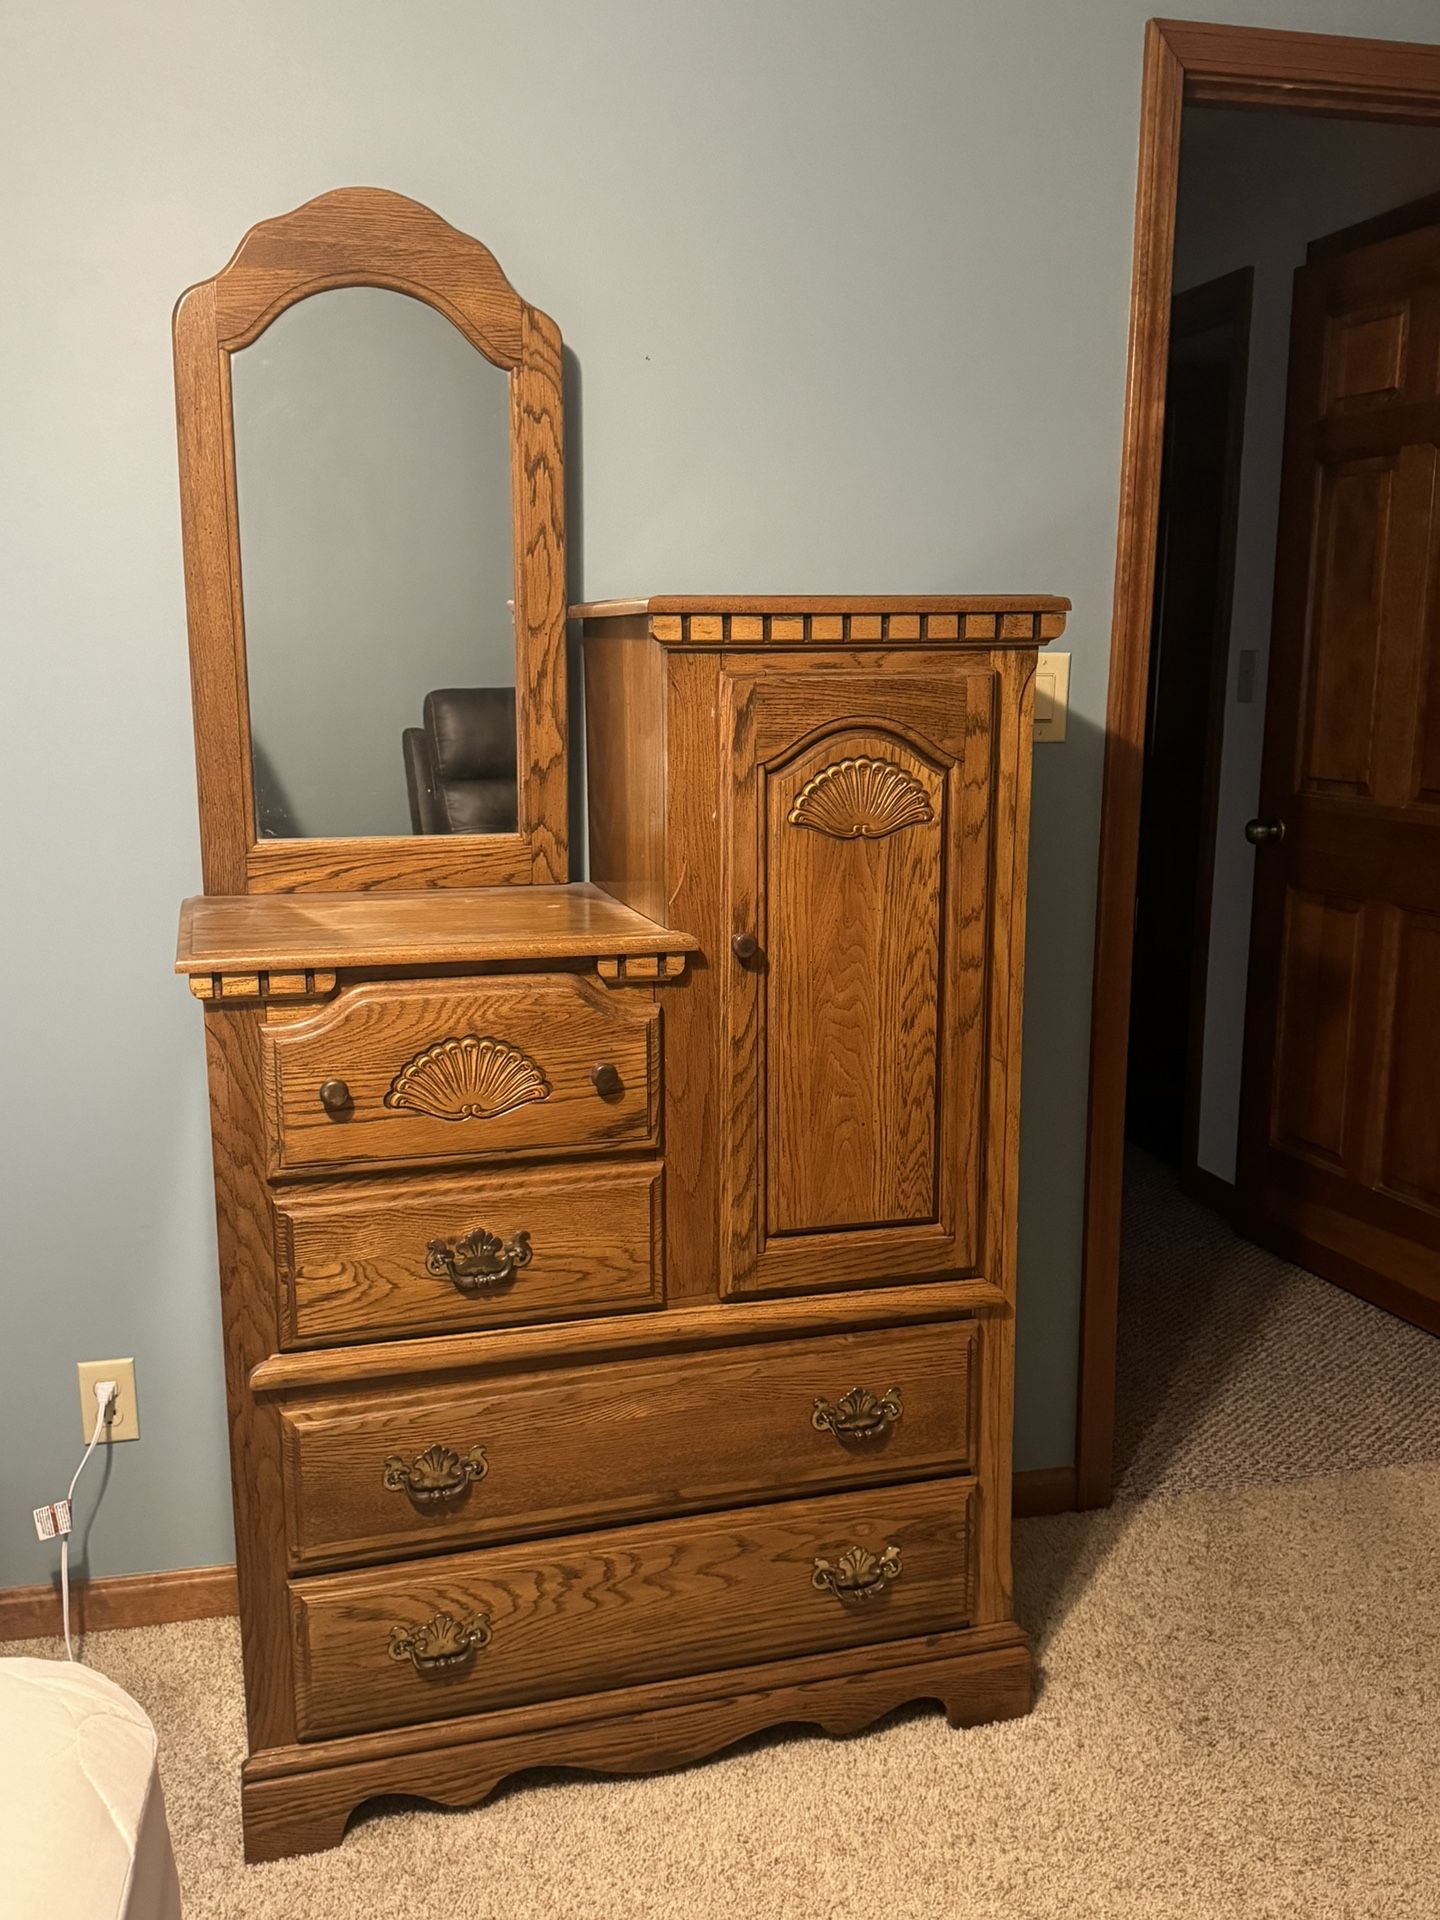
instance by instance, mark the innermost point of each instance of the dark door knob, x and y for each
(605, 1079)
(745, 946)
(335, 1096)
(1257, 831)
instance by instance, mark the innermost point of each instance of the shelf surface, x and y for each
(251, 932)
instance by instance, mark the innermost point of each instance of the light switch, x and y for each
(1052, 696)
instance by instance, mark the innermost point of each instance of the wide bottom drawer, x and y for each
(458, 1635)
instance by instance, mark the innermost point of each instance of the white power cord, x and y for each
(106, 1394)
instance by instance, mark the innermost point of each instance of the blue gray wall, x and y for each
(847, 287)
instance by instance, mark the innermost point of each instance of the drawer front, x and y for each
(401, 1472)
(475, 1069)
(372, 1259)
(512, 1624)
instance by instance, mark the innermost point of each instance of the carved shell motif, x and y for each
(861, 799)
(467, 1079)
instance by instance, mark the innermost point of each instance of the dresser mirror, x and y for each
(371, 465)
(372, 468)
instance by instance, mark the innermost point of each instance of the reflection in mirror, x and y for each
(372, 467)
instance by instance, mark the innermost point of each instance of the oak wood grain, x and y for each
(298, 1799)
(596, 1445)
(622, 1607)
(243, 933)
(860, 1021)
(363, 236)
(552, 1031)
(351, 1257)
(690, 1323)
(249, 1329)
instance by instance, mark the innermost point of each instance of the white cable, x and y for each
(102, 1409)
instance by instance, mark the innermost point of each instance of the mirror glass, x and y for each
(372, 470)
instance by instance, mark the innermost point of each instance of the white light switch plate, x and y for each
(1052, 696)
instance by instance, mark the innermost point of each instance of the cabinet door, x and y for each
(854, 1036)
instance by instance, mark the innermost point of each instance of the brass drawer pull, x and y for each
(858, 1415)
(605, 1078)
(858, 1574)
(436, 1475)
(478, 1262)
(442, 1644)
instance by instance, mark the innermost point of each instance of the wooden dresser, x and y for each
(618, 1277)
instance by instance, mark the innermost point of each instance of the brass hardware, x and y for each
(478, 1262)
(442, 1644)
(605, 1079)
(858, 1574)
(470, 1078)
(858, 1415)
(861, 799)
(744, 946)
(1258, 831)
(335, 1096)
(436, 1475)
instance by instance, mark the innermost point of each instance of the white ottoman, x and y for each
(82, 1821)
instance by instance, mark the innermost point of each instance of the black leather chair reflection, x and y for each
(460, 766)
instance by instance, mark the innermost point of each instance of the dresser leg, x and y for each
(306, 1813)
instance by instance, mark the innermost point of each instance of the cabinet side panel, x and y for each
(625, 769)
(1014, 732)
(695, 900)
(248, 1318)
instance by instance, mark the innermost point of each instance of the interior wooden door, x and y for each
(1339, 1164)
(854, 1031)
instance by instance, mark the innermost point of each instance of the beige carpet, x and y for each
(1235, 1367)
(1240, 1717)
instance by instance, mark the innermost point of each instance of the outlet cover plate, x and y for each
(125, 1425)
(1052, 695)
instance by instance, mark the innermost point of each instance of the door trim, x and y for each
(1191, 62)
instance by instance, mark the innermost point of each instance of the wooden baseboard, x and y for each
(125, 1600)
(1198, 1183)
(1044, 1490)
(202, 1593)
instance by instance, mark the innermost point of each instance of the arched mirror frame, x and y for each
(365, 237)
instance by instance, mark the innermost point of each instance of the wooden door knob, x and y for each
(335, 1096)
(744, 946)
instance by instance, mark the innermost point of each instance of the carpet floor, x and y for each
(1236, 1368)
(1238, 1720)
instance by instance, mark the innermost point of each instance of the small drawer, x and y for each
(476, 1069)
(435, 1638)
(391, 1473)
(370, 1259)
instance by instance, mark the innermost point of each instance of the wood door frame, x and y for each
(1186, 62)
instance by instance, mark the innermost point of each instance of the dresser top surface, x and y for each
(783, 603)
(437, 925)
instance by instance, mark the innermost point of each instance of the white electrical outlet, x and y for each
(124, 1421)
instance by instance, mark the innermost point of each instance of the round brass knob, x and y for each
(1257, 831)
(605, 1079)
(335, 1096)
(744, 946)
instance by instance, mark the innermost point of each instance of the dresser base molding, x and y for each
(299, 1799)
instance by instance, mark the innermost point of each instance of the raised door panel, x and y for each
(1339, 1131)
(853, 1037)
